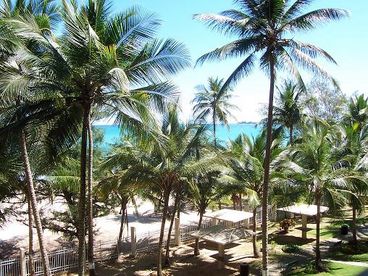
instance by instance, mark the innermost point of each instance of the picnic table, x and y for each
(221, 236)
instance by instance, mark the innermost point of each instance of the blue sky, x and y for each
(346, 41)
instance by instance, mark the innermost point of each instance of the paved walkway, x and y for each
(362, 264)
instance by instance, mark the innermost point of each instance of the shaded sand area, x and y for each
(14, 233)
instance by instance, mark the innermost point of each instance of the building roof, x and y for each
(303, 209)
(229, 215)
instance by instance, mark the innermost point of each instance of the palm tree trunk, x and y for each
(122, 220)
(196, 246)
(354, 226)
(214, 127)
(34, 207)
(167, 254)
(234, 201)
(90, 250)
(318, 222)
(162, 231)
(240, 202)
(255, 249)
(291, 134)
(30, 237)
(82, 195)
(266, 176)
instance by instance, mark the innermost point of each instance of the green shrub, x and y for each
(291, 248)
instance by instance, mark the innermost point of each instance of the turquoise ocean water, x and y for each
(223, 133)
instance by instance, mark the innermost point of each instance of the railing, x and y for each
(65, 260)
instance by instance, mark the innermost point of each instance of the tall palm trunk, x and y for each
(167, 254)
(82, 195)
(354, 226)
(122, 220)
(318, 234)
(196, 246)
(291, 131)
(240, 202)
(266, 176)
(90, 250)
(162, 231)
(214, 126)
(34, 207)
(30, 237)
(255, 249)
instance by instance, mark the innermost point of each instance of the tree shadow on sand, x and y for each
(9, 249)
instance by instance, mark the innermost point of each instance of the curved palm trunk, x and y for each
(90, 250)
(123, 208)
(255, 249)
(34, 207)
(266, 176)
(196, 246)
(318, 222)
(354, 226)
(30, 238)
(82, 195)
(162, 231)
(167, 254)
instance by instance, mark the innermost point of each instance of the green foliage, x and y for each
(291, 248)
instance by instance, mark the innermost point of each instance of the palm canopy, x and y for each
(265, 29)
(288, 110)
(118, 66)
(213, 101)
(150, 162)
(318, 163)
(357, 111)
(245, 159)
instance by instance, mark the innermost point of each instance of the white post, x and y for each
(177, 232)
(23, 262)
(133, 240)
(246, 223)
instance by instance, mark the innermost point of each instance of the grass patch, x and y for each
(331, 269)
(349, 252)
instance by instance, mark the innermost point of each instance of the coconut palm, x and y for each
(287, 111)
(354, 150)
(316, 160)
(246, 167)
(44, 13)
(164, 164)
(214, 102)
(266, 30)
(357, 112)
(118, 66)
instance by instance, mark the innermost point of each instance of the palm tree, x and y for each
(357, 112)
(318, 165)
(164, 164)
(287, 111)
(44, 13)
(214, 102)
(354, 150)
(246, 168)
(112, 62)
(264, 28)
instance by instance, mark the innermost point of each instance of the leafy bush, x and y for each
(291, 248)
(286, 224)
